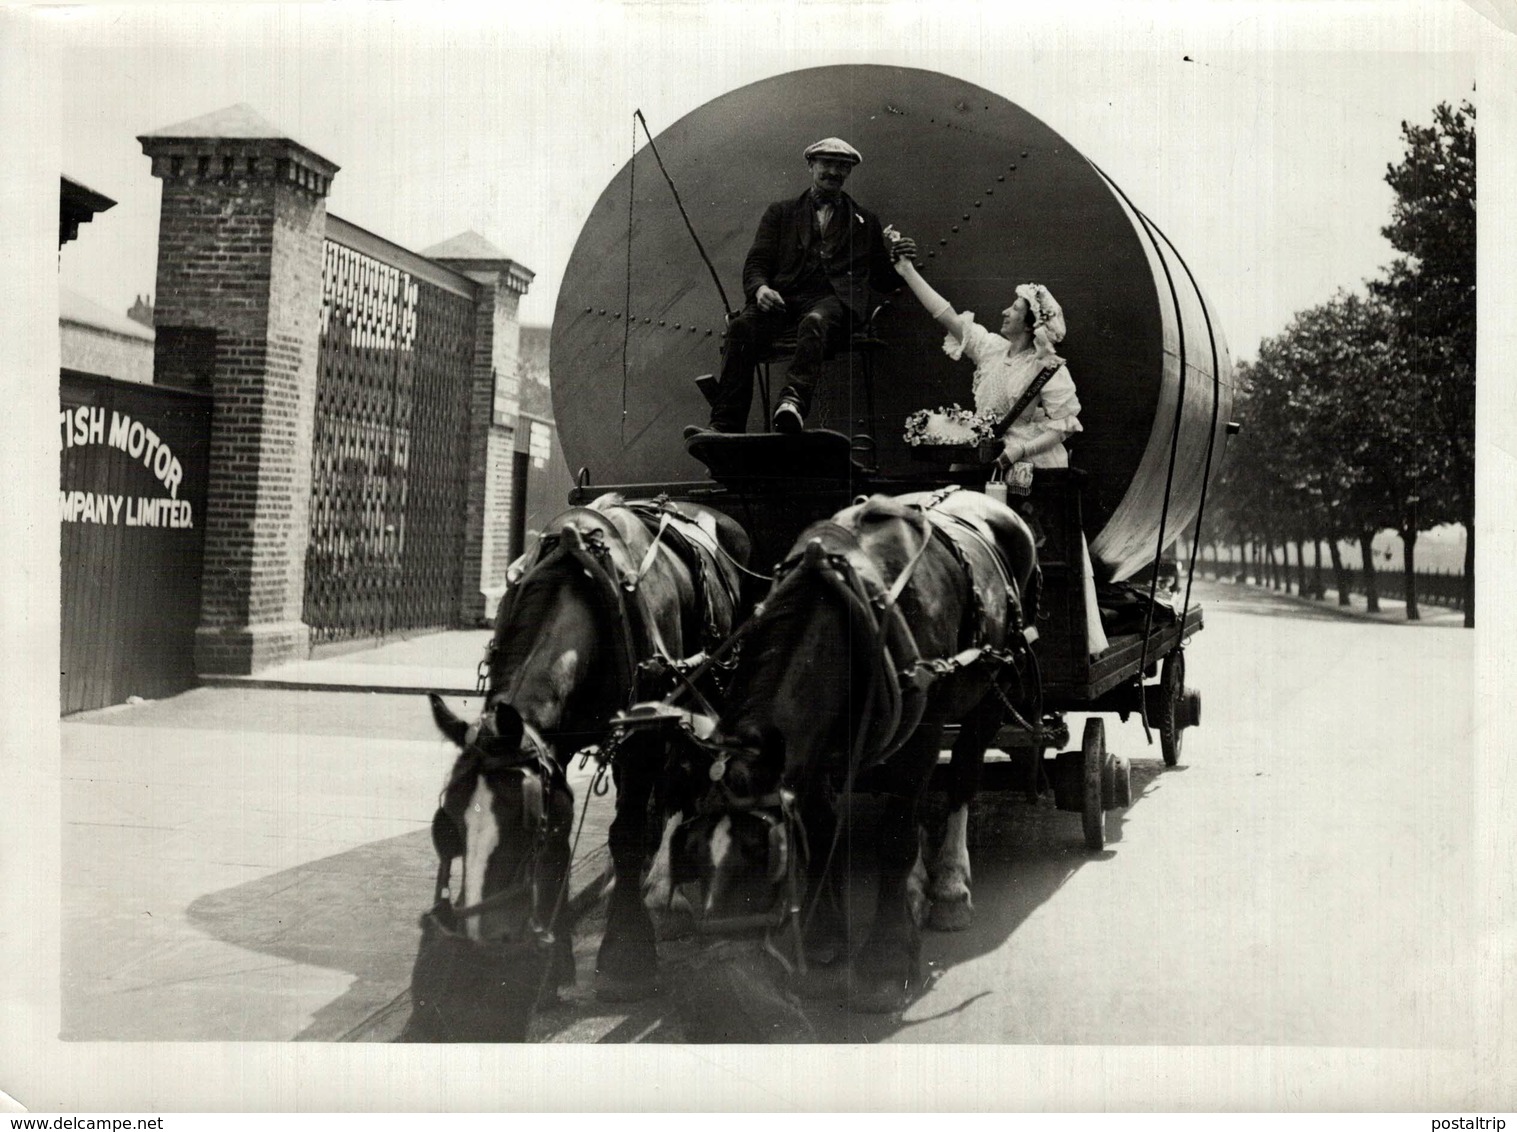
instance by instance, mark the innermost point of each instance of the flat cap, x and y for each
(832, 147)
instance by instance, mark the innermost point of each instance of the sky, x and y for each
(1256, 136)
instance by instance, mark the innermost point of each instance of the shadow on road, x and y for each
(356, 912)
(726, 991)
(1023, 854)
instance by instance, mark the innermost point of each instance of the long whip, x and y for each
(726, 306)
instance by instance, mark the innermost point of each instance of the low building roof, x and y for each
(469, 251)
(465, 245)
(75, 308)
(77, 194)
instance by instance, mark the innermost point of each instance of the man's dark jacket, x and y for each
(778, 255)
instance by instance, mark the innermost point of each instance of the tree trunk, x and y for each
(1240, 574)
(1371, 584)
(1318, 590)
(1270, 573)
(1409, 569)
(1469, 573)
(1340, 574)
(1302, 587)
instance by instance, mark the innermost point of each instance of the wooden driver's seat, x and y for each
(862, 343)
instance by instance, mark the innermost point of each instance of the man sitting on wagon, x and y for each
(812, 266)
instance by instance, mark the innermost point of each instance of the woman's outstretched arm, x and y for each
(934, 303)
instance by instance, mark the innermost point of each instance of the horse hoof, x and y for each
(609, 989)
(951, 915)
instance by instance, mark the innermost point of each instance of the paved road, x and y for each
(1303, 878)
(248, 864)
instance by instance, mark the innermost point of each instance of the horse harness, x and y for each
(537, 765)
(605, 558)
(900, 678)
(902, 675)
(701, 553)
(601, 553)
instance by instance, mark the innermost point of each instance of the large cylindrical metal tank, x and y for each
(993, 197)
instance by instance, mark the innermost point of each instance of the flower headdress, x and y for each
(1047, 316)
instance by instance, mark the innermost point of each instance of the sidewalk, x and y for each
(249, 861)
(1392, 611)
(446, 663)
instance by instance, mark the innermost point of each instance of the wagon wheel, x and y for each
(1171, 689)
(1093, 778)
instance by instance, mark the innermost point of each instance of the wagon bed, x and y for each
(775, 508)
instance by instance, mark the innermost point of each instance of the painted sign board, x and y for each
(131, 506)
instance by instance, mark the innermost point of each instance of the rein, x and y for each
(634, 631)
(590, 553)
(898, 682)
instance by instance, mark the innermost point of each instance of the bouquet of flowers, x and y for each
(951, 427)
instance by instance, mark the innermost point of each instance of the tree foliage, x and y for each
(1359, 415)
(1430, 287)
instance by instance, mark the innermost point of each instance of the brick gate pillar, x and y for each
(494, 404)
(239, 300)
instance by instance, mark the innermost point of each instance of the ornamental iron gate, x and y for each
(389, 466)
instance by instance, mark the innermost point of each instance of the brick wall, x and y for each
(498, 484)
(240, 247)
(506, 362)
(500, 498)
(239, 293)
(494, 404)
(472, 604)
(290, 413)
(214, 248)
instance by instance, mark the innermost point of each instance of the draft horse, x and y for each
(613, 598)
(888, 622)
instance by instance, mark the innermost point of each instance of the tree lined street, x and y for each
(1360, 414)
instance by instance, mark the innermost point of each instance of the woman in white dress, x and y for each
(1005, 364)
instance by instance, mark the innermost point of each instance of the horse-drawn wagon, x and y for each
(847, 526)
(637, 319)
